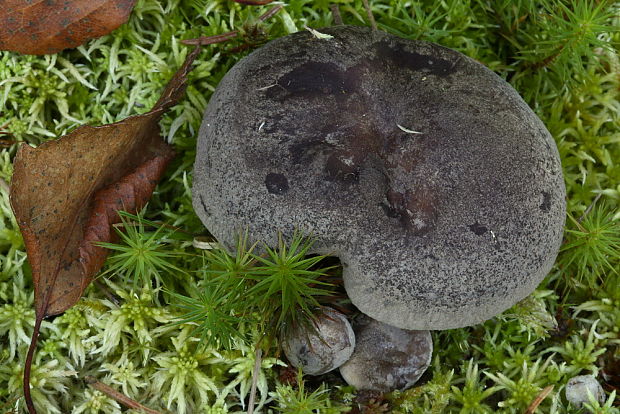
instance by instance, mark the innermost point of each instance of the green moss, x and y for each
(561, 55)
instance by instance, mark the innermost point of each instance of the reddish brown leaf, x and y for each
(40, 27)
(66, 194)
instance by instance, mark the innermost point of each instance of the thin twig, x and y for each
(336, 14)
(7, 142)
(590, 207)
(546, 61)
(253, 2)
(224, 37)
(209, 40)
(539, 398)
(269, 13)
(373, 23)
(257, 363)
(121, 398)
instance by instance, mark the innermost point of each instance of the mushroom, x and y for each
(322, 348)
(386, 358)
(428, 176)
(579, 389)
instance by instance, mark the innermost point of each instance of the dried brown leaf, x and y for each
(66, 193)
(40, 27)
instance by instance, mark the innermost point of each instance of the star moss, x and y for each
(561, 55)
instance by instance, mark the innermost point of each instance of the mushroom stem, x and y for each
(373, 23)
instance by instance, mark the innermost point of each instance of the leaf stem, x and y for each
(28, 363)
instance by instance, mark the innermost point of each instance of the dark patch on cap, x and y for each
(546, 203)
(415, 210)
(399, 57)
(276, 183)
(344, 166)
(302, 152)
(478, 229)
(313, 80)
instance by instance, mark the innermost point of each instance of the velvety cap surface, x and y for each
(426, 173)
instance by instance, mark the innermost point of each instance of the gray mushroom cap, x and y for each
(426, 173)
(578, 388)
(322, 349)
(386, 358)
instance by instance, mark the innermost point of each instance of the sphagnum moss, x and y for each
(561, 55)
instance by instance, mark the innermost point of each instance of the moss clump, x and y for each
(561, 55)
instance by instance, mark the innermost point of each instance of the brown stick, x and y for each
(7, 142)
(121, 398)
(336, 14)
(373, 23)
(539, 398)
(209, 40)
(224, 37)
(269, 13)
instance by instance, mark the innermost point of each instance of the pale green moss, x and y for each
(554, 52)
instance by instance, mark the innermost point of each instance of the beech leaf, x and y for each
(40, 27)
(66, 194)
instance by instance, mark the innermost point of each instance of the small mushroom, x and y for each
(426, 173)
(386, 358)
(322, 349)
(578, 388)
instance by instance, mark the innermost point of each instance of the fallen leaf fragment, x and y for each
(531, 409)
(318, 34)
(39, 27)
(66, 193)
